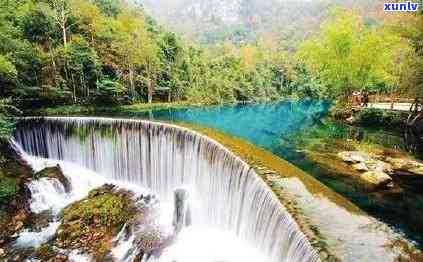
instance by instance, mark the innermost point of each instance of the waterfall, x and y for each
(224, 192)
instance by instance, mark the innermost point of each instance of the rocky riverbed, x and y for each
(375, 170)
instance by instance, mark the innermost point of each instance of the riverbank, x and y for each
(324, 151)
(372, 116)
(15, 213)
(71, 110)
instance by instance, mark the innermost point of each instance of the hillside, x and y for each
(211, 21)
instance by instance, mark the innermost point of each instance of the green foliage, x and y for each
(8, 188)
(108, 7)
(341, 110)
(57, 52)
(105, 51)
(7, 111)
(98, 217)
(348, 56)
(108, 209)
(304, 85)
(104, 207)
(82, 66)
(108, 87)
(7, 70)
(378, 117)
(38, 25)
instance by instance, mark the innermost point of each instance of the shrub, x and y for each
(8, 188)
(377, 117)
(7, 111)
(108, 91)
(341, 111)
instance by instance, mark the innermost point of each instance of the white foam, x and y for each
(36, 239)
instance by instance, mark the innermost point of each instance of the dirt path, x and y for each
(405, 107)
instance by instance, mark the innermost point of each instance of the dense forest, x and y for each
(57, 52)
(95, 51)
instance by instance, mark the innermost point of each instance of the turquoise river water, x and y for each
(280, 127)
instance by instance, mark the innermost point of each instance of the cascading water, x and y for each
(224, 192)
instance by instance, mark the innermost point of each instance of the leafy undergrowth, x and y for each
(372, 117)
(8, 187)
(92, 223)
(89, 109)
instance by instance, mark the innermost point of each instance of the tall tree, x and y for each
(348, 55)
(62, 11)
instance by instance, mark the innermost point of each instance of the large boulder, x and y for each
(376, 179)
(353, 156)
(55, 172)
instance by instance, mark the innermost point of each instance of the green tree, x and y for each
(7, 112)
(347, 55)
(83, 67)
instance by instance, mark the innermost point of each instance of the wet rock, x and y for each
(54, 173)
(350, 119)
(152, 239)
(19, 225)
(416, 170)
(360, 167)
(353, 156)
(61, 257)
(378, 165)
(376, 179)
(363, 162)
(397, 163)
(41, 220)
(21, 216)
(181, 216)
(407, 165)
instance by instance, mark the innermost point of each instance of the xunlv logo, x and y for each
(401, 7)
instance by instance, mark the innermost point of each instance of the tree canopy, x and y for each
(83, 51)
(349, 55)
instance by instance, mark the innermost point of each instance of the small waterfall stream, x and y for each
(224, 192)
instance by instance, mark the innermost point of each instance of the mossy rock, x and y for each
(54, 172)
(104, 206)
(92, 223)
(47, 252)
